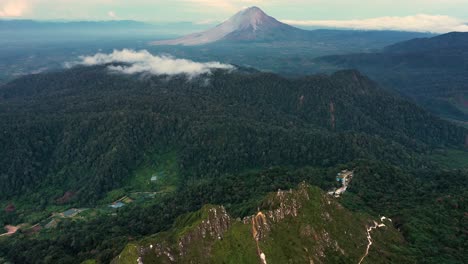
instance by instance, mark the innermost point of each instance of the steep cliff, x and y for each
(296, 226)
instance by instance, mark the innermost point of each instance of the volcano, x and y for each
(251, 24)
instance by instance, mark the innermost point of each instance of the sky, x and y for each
(423, 15)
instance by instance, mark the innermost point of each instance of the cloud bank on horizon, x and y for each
(417, 23)
(13, 8)
(144, 62)
(438, 16)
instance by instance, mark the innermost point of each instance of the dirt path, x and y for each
(257, 222)
(10, 230)
(369, 237)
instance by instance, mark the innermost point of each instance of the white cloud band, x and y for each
(416, 23)
(144, 62)
(13, 8)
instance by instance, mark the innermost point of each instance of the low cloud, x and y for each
(416, 23)
(144, 62)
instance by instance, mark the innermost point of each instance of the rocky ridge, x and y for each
(302, 226)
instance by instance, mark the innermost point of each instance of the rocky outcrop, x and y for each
(212, 227)
(282, 204)
(298, 226)
(200, 235)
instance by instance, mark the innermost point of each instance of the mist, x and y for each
(144, 62)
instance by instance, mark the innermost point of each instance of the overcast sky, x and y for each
(444, 14)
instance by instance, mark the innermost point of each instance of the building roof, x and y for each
(117, 205)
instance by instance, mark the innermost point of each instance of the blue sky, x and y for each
(303, 12)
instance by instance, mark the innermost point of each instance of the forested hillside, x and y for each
(85, 130)
(303, 225)
(431, 71)
(87, 138)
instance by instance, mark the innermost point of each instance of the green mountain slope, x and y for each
(426, 205)
(86, 138)
(431, 71)
(301, 226)
(86, 131)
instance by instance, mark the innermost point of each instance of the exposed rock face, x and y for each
(260, 226)
(302, 226)
(284, 204)
(212, 227)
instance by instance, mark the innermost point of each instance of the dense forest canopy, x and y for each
(78, 137)
(84, 130)
(431, 71)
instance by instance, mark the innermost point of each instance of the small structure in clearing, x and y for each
(71, 213)
(121, 202)
(157, 176)
(117, 205)
(345, 177)
(126, 200)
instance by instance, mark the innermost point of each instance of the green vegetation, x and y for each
(452, 159)
(140, 185)
(104, 127)
(90, 261)
(237, 246)
(430, 71)
(164, 167)
(84, 138)
(427, 206)
(377, 189)
(321, 231)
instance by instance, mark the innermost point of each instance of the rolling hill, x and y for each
(431, 71)
(87, 130)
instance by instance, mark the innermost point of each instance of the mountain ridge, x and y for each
(318, 230)
(430, 71)
(345, 109)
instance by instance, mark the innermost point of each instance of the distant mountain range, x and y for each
(130, 26)
(432, 71)
(453, 42)
(254, 25)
